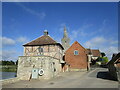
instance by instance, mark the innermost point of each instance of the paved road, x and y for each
(98, 78)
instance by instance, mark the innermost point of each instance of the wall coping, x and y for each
(40, 56)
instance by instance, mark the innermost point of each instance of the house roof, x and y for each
(96, 52)
(88, 51)
(43, 40)
(114, 59)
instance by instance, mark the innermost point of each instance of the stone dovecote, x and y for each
(43, 53)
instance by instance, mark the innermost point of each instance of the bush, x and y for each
(104, 60)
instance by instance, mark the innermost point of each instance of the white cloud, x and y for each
(8, 55)
(113, 42)
(7, 41)
(104, 44)
(22, 39)
(80, 32)
(109, 50)
(95, 42)
(41, 15)
(74, 34)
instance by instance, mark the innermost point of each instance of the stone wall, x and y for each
(50, 65)
(11, 80)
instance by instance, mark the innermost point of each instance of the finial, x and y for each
(45, 32)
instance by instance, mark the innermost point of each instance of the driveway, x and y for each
(97, 78)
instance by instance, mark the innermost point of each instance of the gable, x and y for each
(75, 46)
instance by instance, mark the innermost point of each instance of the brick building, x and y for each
(75, 58)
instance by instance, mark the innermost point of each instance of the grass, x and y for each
(8, 68)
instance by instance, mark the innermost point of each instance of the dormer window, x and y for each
(76, 52)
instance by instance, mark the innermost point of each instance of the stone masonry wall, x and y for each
(50, 65)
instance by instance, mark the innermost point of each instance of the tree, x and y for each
(103, 54)
(17, 62)
(104, 61)
(8, 62)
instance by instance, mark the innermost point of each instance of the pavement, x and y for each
(97, 78)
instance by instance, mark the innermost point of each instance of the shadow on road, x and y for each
(105, 75)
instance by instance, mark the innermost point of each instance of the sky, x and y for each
(93, 24)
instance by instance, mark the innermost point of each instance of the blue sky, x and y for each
(93, 25)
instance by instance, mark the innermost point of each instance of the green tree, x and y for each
(8, 62)
(17, 62)
(104, 60)
(103, 54)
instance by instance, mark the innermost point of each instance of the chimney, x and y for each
(45, 32)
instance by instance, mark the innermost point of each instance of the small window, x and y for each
(76, 52)
(40, 49)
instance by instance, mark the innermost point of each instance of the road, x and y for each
(97, 78)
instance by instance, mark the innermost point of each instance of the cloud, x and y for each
(74, 34)
(9, 52)
(109, 50)
(8, 55)
(41, 15)
(104, 44)
(95, 42)
(80, 32)
(22, 39)
(113, 42)
(7, 41)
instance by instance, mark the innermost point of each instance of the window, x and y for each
(76, 52)
(40, 49)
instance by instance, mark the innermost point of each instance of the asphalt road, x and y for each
(97, 78)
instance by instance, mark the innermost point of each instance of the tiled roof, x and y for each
(43, 40)
(88, 51)
(96, 52)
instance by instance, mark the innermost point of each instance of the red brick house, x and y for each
(75, 58)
